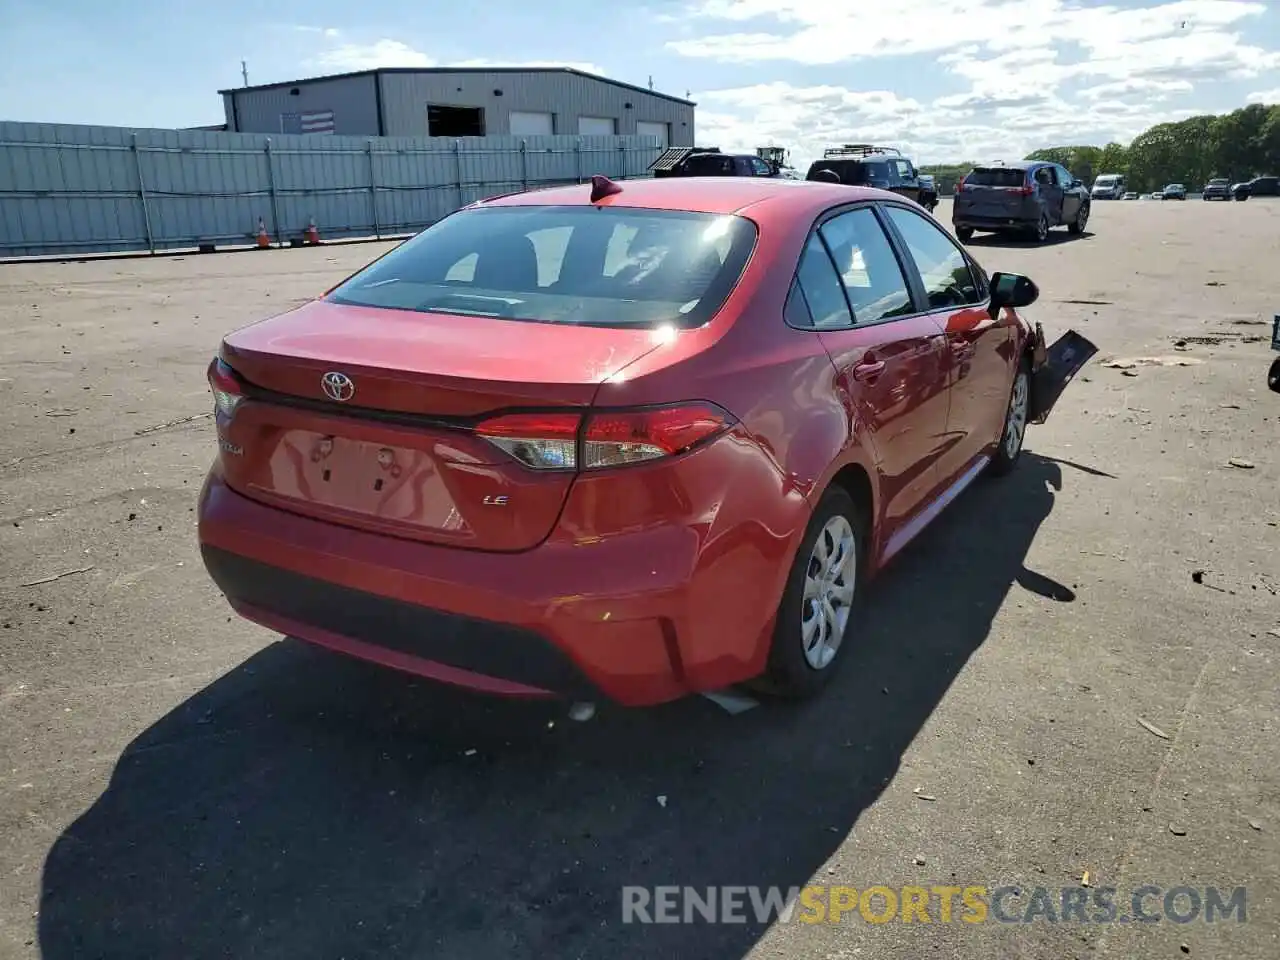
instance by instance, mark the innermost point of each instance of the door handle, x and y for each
(868, 370)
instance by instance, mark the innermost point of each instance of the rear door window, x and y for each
(820, 284)
(867, 265)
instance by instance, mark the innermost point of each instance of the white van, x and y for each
(1109, 186)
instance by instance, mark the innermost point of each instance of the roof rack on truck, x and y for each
(857, 150)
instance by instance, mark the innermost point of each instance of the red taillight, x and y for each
(609, 438)
(227, 391)
(1025, 191)
(543, 441)
(631, 436)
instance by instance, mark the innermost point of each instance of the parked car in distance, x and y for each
(1108, 186)
(1257, 187)
(1028, 196)
(618, 440)
(710, 162)
(1174, 191)
(1131, 195)
(1218, 188)
(866, 165)
(928, 192)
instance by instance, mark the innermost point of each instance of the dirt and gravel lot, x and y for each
(175, 782)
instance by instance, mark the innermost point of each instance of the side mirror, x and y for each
(1012, 290)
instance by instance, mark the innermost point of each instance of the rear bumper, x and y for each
(493, 657)
(639, 618)
(993, 223)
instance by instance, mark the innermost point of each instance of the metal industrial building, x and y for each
(460, 102)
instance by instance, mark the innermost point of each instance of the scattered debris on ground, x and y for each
(1128, 363)
(57, 576)
(171, 423)
(1152, 728)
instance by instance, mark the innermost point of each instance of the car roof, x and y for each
(1014, 164)
(714, 195)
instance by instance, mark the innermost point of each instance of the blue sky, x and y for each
(944, 79)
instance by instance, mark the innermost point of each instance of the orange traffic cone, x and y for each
(264, 242)
(313, 235)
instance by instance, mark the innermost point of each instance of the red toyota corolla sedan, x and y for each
(625, 440)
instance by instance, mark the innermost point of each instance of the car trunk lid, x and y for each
(368, 417)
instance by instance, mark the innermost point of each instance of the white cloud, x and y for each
(342, 56)
(808, 119)
(1026, 74)
(1138, 88)
(583, 65)
(369, 56)
(1265, 96)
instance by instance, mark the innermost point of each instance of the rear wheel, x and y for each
(820, 601)
(964, 234)
(1273, 375)
(1015, 423)
(1040, 232)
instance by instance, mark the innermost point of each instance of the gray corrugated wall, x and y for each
(567, 96)
(68, 189)
(353, 101)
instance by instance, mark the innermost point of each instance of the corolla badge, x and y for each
(337, 386)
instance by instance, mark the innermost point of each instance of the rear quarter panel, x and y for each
(794, 434)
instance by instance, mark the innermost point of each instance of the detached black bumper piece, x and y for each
(493, 649)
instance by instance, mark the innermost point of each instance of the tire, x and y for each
(964, 234)
(1040, 232)
(1082, 218)
(1009, 445)
(796, 671)
(1273, 375)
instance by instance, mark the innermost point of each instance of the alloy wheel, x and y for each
(1015, 424)
(829, 584)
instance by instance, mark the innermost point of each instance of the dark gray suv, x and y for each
(1026, 196)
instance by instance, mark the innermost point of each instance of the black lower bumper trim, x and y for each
(493, 649)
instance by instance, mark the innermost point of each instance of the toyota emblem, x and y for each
(337, 386)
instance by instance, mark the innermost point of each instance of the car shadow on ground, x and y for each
(1056, 236)
(309, 805)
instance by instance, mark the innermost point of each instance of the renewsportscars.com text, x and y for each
(943, 903)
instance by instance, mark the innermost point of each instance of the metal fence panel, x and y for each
(68, 189)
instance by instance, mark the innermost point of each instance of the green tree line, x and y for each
(1238, 145)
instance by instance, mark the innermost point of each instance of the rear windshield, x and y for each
(1105, 181)
(852, 172)
(996, 177)
(607, 267)
(1219, 182)
(707, 165)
